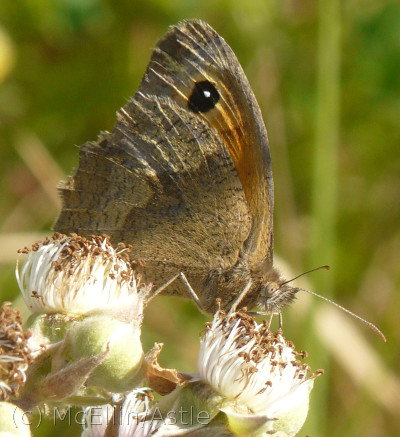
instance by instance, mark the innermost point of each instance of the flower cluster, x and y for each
(84, 348)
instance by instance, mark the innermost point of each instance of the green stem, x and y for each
(325, 180)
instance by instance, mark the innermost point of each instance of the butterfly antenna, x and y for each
(371, 325)
(306, 273)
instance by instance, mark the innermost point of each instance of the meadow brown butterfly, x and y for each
(185, 177)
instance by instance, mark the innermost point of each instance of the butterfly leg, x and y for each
(280, 321)
(241, 296)
(162, 287)
(183, 278)
(271, 316)
(191, 291)
(270, 320)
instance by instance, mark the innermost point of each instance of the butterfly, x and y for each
(185, 177)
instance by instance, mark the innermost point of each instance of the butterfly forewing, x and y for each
(191, 53)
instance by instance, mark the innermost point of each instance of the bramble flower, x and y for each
(87, 315)
(72, 274)
(128, 419)
(249, 382)
(264, 385)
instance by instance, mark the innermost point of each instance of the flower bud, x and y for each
(120, 368)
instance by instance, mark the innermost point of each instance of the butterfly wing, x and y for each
(192, 53)
(190, 189)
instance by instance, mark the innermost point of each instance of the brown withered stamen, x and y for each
(15, 354)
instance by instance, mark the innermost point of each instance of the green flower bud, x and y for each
(120, 369)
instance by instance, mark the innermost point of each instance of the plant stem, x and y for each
(325, 180)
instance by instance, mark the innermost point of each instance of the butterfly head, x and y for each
(277, 292)
(276, 295)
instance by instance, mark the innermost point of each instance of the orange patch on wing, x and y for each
(241, 153)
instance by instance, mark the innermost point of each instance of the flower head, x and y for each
(129, 418)
(256, 371)
(87, 316)
(67, 274)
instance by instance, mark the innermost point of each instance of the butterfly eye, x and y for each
(271, 288)
(204, 97)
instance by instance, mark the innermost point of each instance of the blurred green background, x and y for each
(326, 75)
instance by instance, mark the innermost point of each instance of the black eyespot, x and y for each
(204, 97)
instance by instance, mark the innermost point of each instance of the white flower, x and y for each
(68, 274)
(257, 372)
(87, 308)
(130, 418)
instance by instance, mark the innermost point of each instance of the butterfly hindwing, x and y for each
(163, 182)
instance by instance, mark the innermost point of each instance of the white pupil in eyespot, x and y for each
(207, 94)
